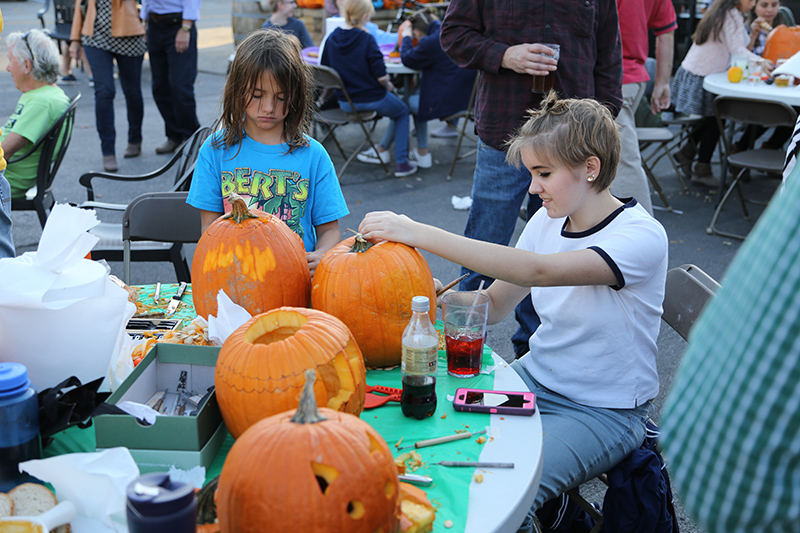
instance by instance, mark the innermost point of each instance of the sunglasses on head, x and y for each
(28, 45)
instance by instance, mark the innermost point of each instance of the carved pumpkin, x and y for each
(309, 470)
(261, 367)
(369, 288)
(254, 256)
(416, 511)
(782, 43)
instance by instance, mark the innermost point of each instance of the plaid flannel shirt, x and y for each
(476, 33)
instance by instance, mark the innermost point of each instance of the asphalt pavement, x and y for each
(426, 196)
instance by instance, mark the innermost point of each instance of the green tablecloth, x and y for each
(450, 489)
(185, 309)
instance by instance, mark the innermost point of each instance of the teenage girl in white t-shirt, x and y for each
(595, 268)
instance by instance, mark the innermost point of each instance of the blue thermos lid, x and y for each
(13, 379)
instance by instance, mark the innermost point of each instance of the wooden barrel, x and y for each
(247, 16)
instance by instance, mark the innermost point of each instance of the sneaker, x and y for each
(445, 131)
(68, 79)
(422, 161)
(369, 156)
(405, 169)
(91, 82)
(702, 175)
(110, 163)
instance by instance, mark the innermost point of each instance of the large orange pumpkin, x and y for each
(369, 288)
(254, 256)
(309, 470)
(261, 366)
(782, 43)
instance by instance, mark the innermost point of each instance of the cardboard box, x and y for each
(158, 371)
(161, 460)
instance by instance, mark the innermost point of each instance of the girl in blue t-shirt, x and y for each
(261, 149)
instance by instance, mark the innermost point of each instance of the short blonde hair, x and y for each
(569, 132)
(354, 11)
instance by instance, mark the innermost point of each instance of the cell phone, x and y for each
(495, 402)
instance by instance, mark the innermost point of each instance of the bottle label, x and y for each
(420, 360)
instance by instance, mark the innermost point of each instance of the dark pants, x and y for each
(130, 78)
(173, 77)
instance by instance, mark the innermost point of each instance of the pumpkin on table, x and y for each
(309, 470)
(261, 367)
(782, 43)
(254, 256)
(369, 287)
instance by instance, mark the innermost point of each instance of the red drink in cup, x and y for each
(464, 355)
(542, 84)
(464, 315)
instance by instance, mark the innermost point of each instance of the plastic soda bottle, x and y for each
(419, 363)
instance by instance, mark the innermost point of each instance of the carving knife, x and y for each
(176, 300)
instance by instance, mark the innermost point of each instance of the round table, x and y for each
(718, 84)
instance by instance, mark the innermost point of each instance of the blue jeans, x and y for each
(130, 78)
(174, 75)
(420, 126)
(6, 241)
(580, 442)
(498, 190)
(393, 107)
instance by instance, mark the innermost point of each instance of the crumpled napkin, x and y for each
(229, 317)
(461, 203)
(95, 482)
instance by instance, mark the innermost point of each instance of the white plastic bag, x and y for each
(60, 315)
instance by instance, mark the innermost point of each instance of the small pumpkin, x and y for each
(261, 367)
(369, 287)
(782, 43)
(254, 256)
(310, 470)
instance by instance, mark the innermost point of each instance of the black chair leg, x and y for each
(182, 271)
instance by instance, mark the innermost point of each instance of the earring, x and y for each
(590, 177)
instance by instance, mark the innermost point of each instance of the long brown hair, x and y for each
(278, 53)
(710, 26)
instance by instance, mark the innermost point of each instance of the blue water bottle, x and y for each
(19, 424)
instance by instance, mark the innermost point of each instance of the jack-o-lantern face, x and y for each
(309, 470)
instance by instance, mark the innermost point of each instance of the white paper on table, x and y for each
(791, 67)
(60, 315)
(229, 317)
(95, 482)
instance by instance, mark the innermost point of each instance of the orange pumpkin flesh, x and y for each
(260, 368)
(309, 470)
(254, 256)
(416, 511)
(369, 288)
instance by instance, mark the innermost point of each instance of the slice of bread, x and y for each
(32, 499)
(6, 505)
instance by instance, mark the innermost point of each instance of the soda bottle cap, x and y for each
(420, 303)
(13, 379)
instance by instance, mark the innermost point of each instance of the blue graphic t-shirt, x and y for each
(300, 188)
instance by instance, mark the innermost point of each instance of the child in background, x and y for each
(353, 53)
(719, 36)
(595, 268)
(444, 88)
(283, 18)
(261, 149)
(760, 21)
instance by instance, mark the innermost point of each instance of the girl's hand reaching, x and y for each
(405, 29)
(313, 259)
(388, 226)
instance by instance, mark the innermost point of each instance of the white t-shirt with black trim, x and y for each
(597, 344)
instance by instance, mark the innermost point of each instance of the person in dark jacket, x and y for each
(355, 55)
(444, 87)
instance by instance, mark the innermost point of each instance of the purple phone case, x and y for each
(528, 408)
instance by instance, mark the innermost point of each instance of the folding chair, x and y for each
(688, 289)
(327, 78)
(160, 217)
(468, 115)
(51, 149)
(661, 139)
(766, 113)
(111, 246)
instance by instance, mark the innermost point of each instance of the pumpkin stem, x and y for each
(361, 245)
(307, 412)
(239, 211)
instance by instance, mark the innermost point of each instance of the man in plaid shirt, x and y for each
(501, 39)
